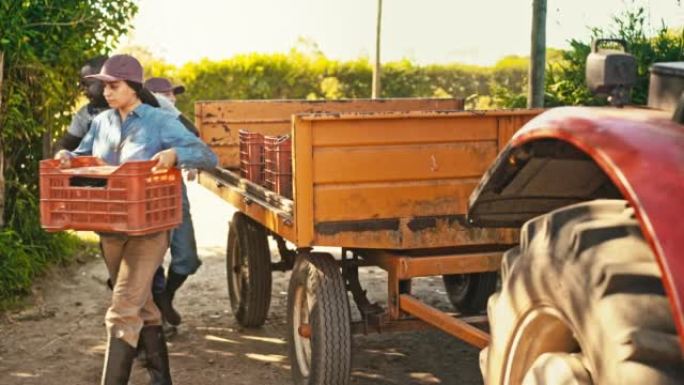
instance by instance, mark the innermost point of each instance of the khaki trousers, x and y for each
(132, 262)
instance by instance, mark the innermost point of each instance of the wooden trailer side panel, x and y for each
(220, 121)
(395, 180)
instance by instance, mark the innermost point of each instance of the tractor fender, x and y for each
(572, 154)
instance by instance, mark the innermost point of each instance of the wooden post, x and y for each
(376, 67)
(535, 89)
(2, 150)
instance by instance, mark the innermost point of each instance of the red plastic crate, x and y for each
(278, 164)
(129, 198)
(252, 156)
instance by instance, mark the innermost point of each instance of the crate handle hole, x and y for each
(84, 181)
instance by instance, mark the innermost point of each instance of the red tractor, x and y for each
(594, 293)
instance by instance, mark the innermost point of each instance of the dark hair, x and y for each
(143, 93)
(93, 88)
(93, 65)
(96, 62)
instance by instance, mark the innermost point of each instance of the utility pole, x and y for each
(376, 66)
(535, 85)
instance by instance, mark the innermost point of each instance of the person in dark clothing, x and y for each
(184, 257)
(93, 89)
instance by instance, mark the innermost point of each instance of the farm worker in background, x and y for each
(130, 131)
(163, 86)
(92, 89)
(184, 258)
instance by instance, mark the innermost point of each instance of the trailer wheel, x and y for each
(319, 322)
(248, 266)
(468, 293)
(582, 302)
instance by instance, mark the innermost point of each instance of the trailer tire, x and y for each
(248, 266)
(582, 302)
(468, 293)
(319, 322)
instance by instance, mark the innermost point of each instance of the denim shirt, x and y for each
(145, 132)
(80, 123)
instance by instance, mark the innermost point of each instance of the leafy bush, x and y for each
(311, 75)
(44, 44)
(565, 78)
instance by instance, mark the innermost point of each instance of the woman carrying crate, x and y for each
(184, 257)
(134, 131)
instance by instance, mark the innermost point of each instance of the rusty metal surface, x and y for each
(388, 180)
(278, 109)
(406, 267)
(443, 321)
(503, 113)
(408, 233)
(219, 121)
(408, 324)
(395, 180)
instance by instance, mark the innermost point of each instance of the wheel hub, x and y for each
(304, 330)
(302, 340)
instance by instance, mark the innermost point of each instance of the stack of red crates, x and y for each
(252, 156)
(278, 169)
(267, 161)
(129, 198)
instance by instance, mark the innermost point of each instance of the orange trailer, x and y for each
(385, 181)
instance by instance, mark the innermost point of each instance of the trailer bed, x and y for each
(379, 180)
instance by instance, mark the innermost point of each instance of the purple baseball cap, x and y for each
(120, 67)
(163, 85)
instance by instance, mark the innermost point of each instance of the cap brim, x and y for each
(103, 77)
(177, 90)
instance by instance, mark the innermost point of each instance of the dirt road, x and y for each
(60, 339)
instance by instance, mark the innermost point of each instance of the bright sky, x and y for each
(426, 31)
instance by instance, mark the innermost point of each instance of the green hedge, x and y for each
(295, 75)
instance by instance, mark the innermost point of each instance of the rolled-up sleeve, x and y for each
(190, 151)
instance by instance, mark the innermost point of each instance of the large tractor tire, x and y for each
(319, 322)
(468, 293)
(248, 266)
(582, 302)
